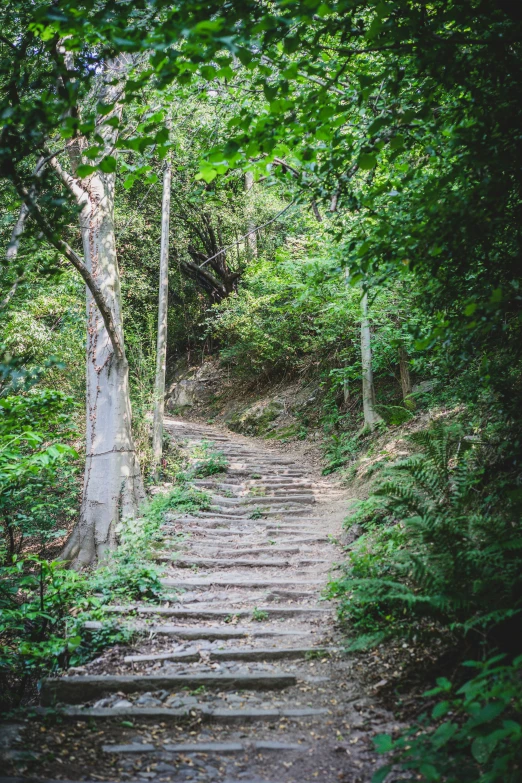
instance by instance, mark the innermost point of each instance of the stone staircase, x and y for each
(239, 674)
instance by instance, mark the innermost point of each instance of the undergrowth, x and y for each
(44, 606)
(441, 558)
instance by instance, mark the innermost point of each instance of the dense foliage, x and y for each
(378, 146)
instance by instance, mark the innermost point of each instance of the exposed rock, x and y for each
(192, 385)
(351, 535)
(257, 419)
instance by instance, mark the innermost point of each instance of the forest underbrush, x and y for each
(45, 607)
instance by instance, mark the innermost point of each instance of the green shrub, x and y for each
(38, 477)
(474, 735)
(42, 608)
(437, 552)
(208, 462)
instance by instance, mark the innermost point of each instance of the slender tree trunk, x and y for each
(251, 241)
(405, 372)
(113, 486)
(371, 417)
(161, 346)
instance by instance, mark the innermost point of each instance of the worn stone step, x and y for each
(209, 633)
(201, 531)
(205, 713)
(186, 562)
(193, 597)
(259, 550)
(212, 614)
(260, 500)
(261, 484)
(239, 582)
(222, 748)
(305, 540)
(245, 544)
(236, 654)
(74, 690)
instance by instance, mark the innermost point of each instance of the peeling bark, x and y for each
(113, 486)
(371, 417)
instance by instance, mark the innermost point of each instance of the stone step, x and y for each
(291, 550)
(304, 540)
(186, 562)
(213, 614)
(236, 654)
(222, 748)
(239, 582)
(260, 500)
(214, 539)
(242, 469)
(216, 516)
(246, 523)
(198, 530)
(204, 562)
(265, 484)
(192, 597)
(74, 690)
(210, 633)
(205, 713)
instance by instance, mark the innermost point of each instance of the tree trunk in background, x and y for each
(251, 241)
(161, 345)
(404, 369)
(371, 417)
(113, 486)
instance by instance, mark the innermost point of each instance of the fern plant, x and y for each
(452, 561)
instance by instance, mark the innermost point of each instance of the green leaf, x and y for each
(440, 709)
(397, 142)
(104, 108)
(443, 734)
(429, 772)
(383, 743)
(482, 748)
(367, 161)
(84, 170)
(381, 774)
(108, 164)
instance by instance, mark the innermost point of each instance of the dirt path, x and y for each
(239, 677)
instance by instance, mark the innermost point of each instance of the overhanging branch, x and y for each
(66, 250)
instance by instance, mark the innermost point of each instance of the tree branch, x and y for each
(66, 250)
(7, 298)
(212, 283)
(72, 184)
(18, 228)
(252, 231)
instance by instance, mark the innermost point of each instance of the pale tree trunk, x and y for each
(16, 235)
(404, 370)
(251, 240)
(113, 487)
(161, 345)
(371, 417)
